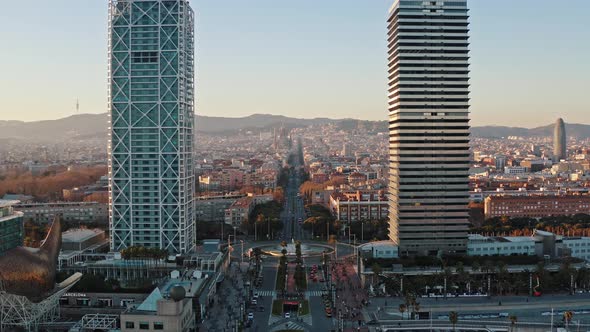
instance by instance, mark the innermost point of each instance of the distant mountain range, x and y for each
(94, 126)
(573, 129)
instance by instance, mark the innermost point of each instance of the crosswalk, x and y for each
(266, 293)
(314, 293)
(294, 326)
(273, 293)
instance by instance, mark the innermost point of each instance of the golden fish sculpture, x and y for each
(30, 272)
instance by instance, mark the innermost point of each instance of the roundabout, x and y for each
(307, 249)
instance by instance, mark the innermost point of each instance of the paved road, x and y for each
(469, 309)
(265, 291)
(294, 211)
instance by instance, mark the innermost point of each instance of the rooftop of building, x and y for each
(478, 238)
(57, 204)
(543, 233)
(377, 244)
(538, 197)
(8, 202)
(151, 302)
(191, 285)
(358, 195)
(79, 234)
(18, 197)
(518, 238)
(242, 202)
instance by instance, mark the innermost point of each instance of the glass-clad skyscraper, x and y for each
(559, 141)
(151, 87)
(428, 96)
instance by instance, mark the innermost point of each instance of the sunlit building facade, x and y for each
(151, 87)
(428, 78)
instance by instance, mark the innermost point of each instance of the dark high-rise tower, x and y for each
(428, 55)
(559, 141)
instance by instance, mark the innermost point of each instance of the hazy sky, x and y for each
(303, 58)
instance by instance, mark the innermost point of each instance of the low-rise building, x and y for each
(239, 211)
(156, 313)
(536, 206)
(578, 247)
(515, 170)
(101, 300)
(212, 208)
(67, 211)
(83, 239)
(320, 176)
(18, 197)
(80, 245)
(535, 165)
(322, 196)
(209, 183)
(11, 226)
(379, 249)
(359, 205)
(479, 245)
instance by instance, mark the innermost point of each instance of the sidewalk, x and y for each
(225, 311)
(350, 294)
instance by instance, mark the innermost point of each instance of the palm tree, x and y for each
(416, 306)
(402, 308)
(513, 320)
(376, 268)
(475, 266)
(410, 303)
(502, 277)
(259, 220)
(567, 317)
(453, 318)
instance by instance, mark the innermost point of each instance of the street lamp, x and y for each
(362, 231)
(242, 252)
(229, 245)
(355, 248)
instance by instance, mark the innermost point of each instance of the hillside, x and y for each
(94, 126)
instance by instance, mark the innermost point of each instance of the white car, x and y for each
(287, 315)
(250, 315)
(255, 297)
(254, 302)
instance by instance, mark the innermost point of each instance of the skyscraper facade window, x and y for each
(150, 91)
(428, 94)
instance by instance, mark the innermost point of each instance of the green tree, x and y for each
(567, 317)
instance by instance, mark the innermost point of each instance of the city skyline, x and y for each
(328, 61)
(151, 218)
